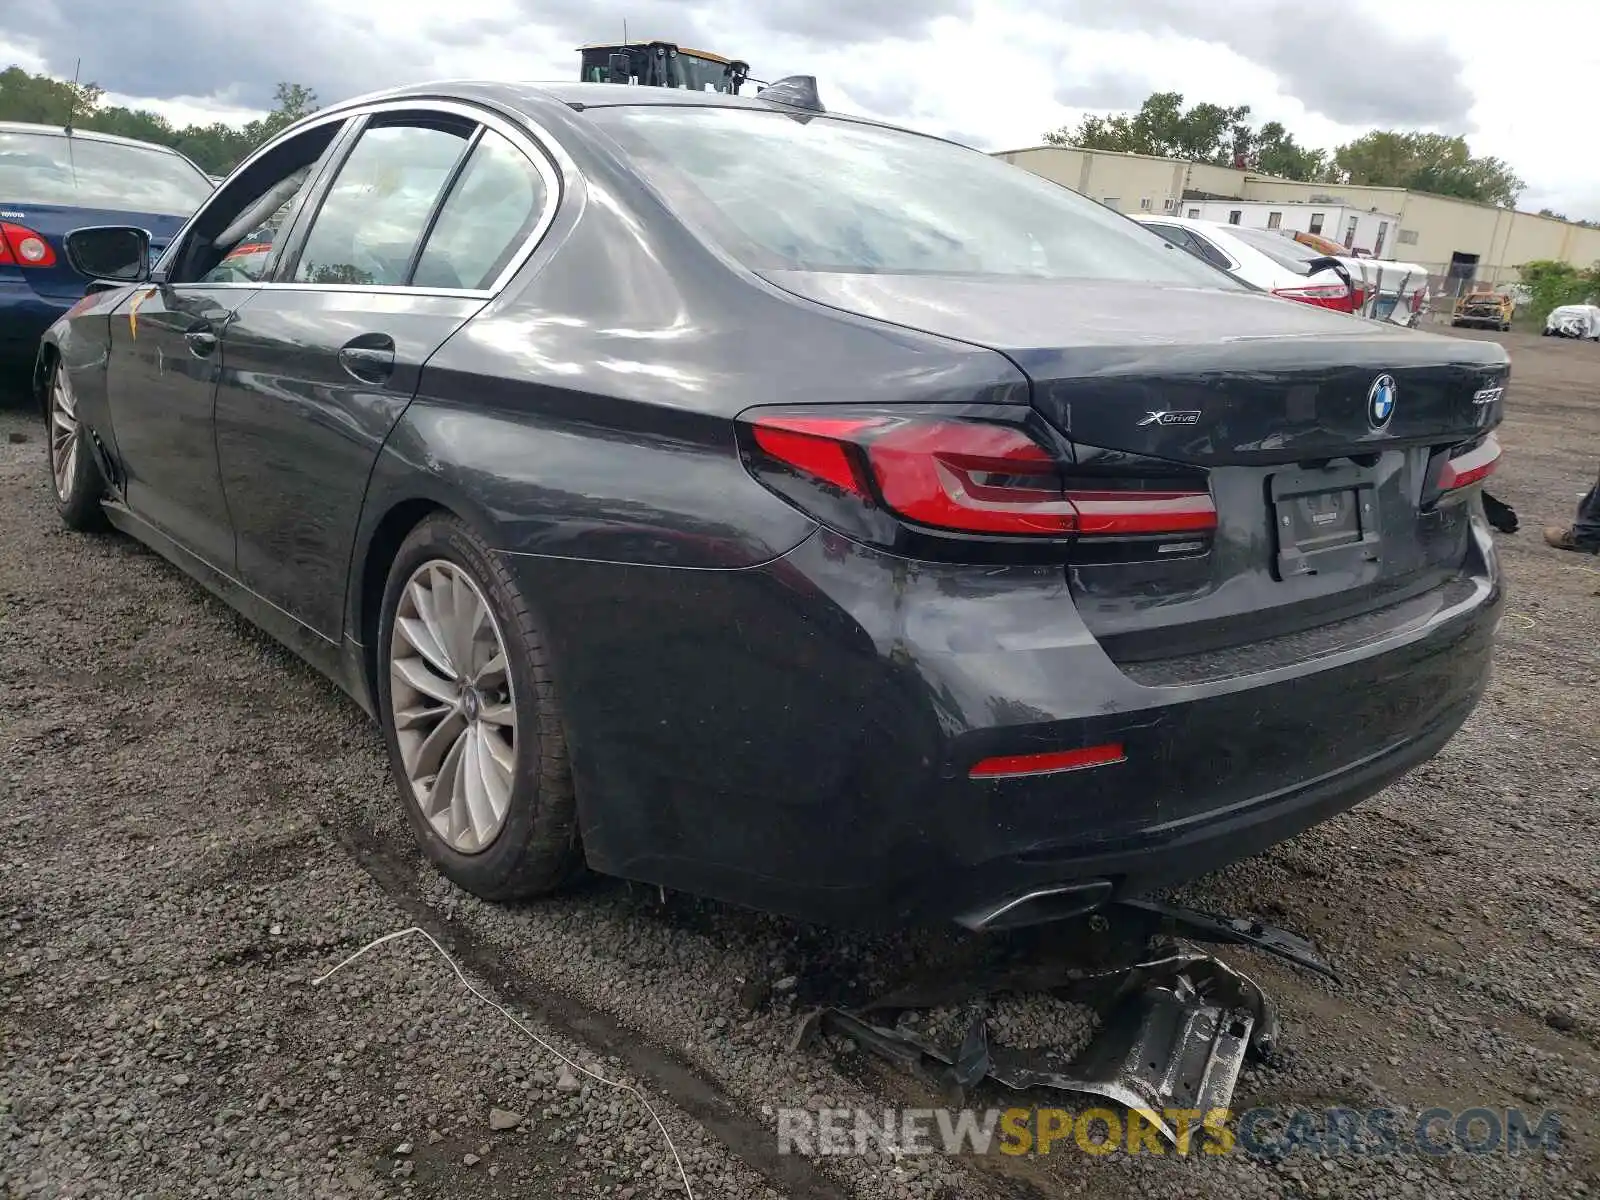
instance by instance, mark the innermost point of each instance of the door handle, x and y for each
(202, 340)
(369, 358)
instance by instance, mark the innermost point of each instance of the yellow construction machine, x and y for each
(661, 64)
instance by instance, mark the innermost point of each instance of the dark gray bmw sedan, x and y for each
(788, 508)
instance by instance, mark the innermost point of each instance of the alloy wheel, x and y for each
(63, 434)
(453, 705)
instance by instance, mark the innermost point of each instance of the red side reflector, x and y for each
(1472, 467)
(1007, 766)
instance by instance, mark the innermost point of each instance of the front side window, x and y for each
(81, 171)
(825, 194)
(250, 260)
(374, 214)
(491, 211)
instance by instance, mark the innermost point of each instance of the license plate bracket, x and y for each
(1325, 520)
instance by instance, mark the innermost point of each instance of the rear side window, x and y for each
(1193, 243)
(495, 205)
(83, 172)
(374, 215)
(825, 194)
(1209, 252)
(1178, 237)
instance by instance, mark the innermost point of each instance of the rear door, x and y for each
(428, 211)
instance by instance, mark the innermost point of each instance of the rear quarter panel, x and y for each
(587, 412)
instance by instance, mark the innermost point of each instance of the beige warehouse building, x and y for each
(1455, 239)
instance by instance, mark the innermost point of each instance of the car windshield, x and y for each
(785, 192)
(84, 172)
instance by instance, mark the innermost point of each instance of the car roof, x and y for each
(1170, 219)
(532, 97)
(87, 135)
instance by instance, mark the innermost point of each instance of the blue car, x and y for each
(52, 182)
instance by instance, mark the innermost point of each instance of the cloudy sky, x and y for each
(1515, 78)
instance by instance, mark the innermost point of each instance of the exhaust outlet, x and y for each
(1038, 907)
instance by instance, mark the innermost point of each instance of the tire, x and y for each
(76, 485)
(534, 848)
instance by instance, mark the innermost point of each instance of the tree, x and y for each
(1208, 133)
(1427, 162)
(1275, 152)
(1552, 283)
(1554, 215)
(216, 148)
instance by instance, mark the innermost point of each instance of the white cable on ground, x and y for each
(507, 1014)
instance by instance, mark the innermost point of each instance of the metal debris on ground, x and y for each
(1168, 1030)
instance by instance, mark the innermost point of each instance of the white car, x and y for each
(1258, 257)
(1272, 260)
(1574, 321)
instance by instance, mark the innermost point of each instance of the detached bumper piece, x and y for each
(1175, 1027)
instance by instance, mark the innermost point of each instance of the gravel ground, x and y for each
(195, 827)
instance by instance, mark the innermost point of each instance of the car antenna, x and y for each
(72, 100)
(72, 109)
(793, 91)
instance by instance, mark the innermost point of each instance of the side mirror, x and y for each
(116, 252)
(619, 68)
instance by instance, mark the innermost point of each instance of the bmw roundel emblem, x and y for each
(1380, 401)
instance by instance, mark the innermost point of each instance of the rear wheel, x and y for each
(74, 475)
(470, 715)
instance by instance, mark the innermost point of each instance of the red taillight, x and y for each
(969, 476)
(1472, 466)
(974, 477)
(814, 445)
(1324, 295)
(1009, 766)
(22, 247)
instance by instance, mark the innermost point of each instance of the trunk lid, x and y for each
(1321, 435)
(52, 222)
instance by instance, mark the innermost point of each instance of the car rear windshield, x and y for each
(1281, 249)
(83, 172)
(783, 192)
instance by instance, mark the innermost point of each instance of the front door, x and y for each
(168, 344)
